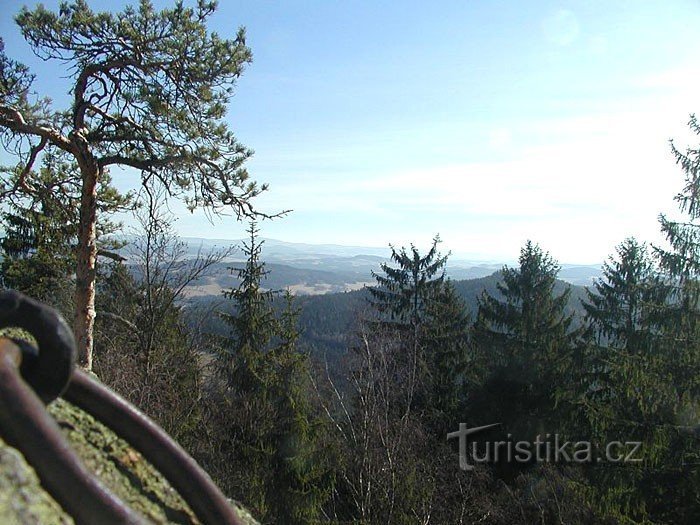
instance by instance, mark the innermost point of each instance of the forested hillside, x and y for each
(326, 321)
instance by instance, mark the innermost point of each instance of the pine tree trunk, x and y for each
(85, 268)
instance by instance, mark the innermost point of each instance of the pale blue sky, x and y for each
(488, 122)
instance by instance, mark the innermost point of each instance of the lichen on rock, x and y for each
(22, 499)
(120, 467)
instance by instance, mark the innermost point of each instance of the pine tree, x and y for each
(41, 231)
(149, 90)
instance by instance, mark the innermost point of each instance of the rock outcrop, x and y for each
(121, 468)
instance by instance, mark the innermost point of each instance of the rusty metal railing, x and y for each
(32, 377)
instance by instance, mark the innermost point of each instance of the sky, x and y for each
(488, 122)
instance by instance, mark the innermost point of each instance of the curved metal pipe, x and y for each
(25, 425)
(176, 465)
(50, 370)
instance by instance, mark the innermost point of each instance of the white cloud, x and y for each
(578, 185)
(596, 180)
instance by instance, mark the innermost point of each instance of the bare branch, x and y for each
(124, 321)
(142, 164)
(13, 120)
(110, 255)
(34, 152)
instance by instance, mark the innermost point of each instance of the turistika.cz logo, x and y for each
(547, 448)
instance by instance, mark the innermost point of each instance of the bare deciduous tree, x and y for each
(146, 350)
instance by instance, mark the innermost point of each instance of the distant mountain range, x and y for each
(313, 269)
(329, 282)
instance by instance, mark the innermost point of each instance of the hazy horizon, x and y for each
(455, 256)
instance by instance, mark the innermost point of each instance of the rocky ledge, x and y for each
(121, 468)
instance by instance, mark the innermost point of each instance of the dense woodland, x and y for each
(360, 437)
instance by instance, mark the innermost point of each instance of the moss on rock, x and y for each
(22, 499)
(119, 466)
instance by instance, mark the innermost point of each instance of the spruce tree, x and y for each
(253, 325)
(416, 301)
(529, 325)
(679, 261)
(681, 264)
(401, 303)
(407, 382)
(272, 434)
(623, 389)
(621, 307)
(525, 341)
(403, 293)
(626, 381)
(299, 470)
(449, 355)
(41, 230)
